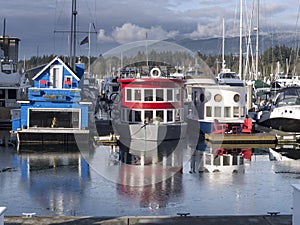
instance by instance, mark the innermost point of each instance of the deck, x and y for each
(52, 136)
(254, 138)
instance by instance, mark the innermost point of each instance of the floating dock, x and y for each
(52, 136)
(281, 136)
(107, 140)
(254, 138)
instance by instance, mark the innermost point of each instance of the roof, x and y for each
(62, 63)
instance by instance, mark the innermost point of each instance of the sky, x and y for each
(43, 25)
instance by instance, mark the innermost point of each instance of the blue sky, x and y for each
(118, 21)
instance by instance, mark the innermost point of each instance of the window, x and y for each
(12, 94)
(137, 95)
(236, 111)
(169, 95)
(2, 93)
(195, 97)
(68, 82)
(227, 112)
(148, 95)
(169, 115)
(159, 94)
(208, 111)
(130, 116)
(128, 95)
(236, 97)
(218, 111)
(201, 97)
(160, 115)
(218, 98)
(148, 116)
(137, 116)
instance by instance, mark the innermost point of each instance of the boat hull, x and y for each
(151, 132)
(283, 124)
(282, 118)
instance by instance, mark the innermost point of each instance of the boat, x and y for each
(105, 105)
(13, 83)
(53, 112)
(284, 113)
(211, 102)
(151, 103)
(228, 77)
(285, 152)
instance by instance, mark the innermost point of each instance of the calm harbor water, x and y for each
(72, 183)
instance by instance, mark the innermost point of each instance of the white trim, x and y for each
(55, 110)
(62, 63)
(165, 94)
(125, 115)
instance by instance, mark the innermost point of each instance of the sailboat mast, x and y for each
(241, 33)
(89, 53)
(223, 46)
(73, 35)
(257, 26)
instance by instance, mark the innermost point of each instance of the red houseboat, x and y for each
(151, 103)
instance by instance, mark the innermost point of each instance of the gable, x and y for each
(56, 62)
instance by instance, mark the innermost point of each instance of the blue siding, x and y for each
(41, 96)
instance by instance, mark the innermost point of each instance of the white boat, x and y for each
(210, 101)
(151, 104)
(228, 77)
(13, 84)
(284, 114)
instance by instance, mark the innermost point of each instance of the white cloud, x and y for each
(129, 32)
(205, 31)
(102, 37)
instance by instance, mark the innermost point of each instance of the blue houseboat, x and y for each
(54, 112)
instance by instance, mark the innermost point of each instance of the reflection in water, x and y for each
(285, 152)
(151, 172)
(55, 180)
(143, 163)
(153, 196)
(219, 158)
(62, 183)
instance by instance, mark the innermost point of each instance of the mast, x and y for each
(256, 48)
(73, 35)
(89, 52)
(241, 38)
(223, 46)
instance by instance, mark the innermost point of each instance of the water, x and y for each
(55, 183)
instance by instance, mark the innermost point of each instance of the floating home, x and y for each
(54, 112)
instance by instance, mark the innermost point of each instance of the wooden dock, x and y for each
(107, 140)
(281, 136)
(254, 138)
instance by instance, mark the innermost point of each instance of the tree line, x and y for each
(267, 61)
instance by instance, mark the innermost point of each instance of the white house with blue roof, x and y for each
(54, 111)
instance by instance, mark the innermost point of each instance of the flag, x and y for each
(85, 40)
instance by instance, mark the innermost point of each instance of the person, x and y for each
(54, 122)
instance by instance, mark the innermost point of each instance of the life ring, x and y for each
(155, 72)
